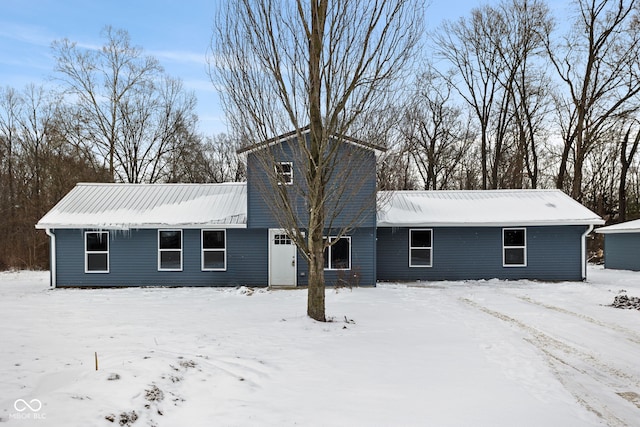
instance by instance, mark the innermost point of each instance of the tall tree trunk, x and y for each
(315, 293)
(315, 301)
(626, 161)
(576, 184)
(578, 164)
(564, 160)
(484, 157)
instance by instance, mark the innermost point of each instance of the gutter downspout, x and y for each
(52, 269)
(583, 245)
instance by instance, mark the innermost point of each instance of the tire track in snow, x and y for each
(629, 334)
(585, 383)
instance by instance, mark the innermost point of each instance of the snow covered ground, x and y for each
(487, 353)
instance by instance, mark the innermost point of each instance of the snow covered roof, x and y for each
(130, 206)
(481, 208)
(623, 227)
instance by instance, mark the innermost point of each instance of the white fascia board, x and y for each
(618, 231)
(138, 226)
(490, 224)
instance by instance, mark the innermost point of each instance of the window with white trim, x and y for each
(420, 247)
(284, 173)
(96, 252)
(514, 247)
(338, 255)
(214, 250)
(170, 250)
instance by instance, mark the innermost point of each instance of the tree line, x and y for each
(508, 96)
(114, 116)
(514, 98)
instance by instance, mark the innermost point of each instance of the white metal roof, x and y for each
(481, 208)
(623, 227)
(130, 206)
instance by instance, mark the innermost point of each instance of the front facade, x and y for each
(622, 245)
(470, 253)
(158, 257)
(470, 235)
(229, 235)
(154, 235)
(351, 260)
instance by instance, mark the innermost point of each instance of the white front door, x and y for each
(282, 259)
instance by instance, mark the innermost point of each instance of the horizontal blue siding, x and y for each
(553, 253)
(622, 251)
(467, 253)
(363, 262)
(133, 260)
(358, 193)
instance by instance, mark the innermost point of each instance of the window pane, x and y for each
(284, 168)
(514, 256)
(282, 239)
(421, 257)
(97, 262)
(170, 260)
(170, 240)
(514, 237)
(340, 254)
(214, 259)
(284, 172)
(421, 238)
(213, 239)
(97, 242)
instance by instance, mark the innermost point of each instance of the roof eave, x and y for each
(618, 231)
(124, 227)
(490, 224)
(290, 135)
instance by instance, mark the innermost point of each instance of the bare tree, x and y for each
(283, 65)
(213, 159)
(10, 112)
(599, 66)
(434, 131)
(394, 169)
(37, 167)
(601, 175)
(491, 55)
(129, 110)
(468, 45)
(222, 163)
(629, 140)
(528, 23)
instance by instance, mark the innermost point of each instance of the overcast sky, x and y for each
(175, 32)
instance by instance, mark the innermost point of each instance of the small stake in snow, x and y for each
(96, 355)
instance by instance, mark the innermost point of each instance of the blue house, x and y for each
(227, 235)
(482, 234)
(622, 245)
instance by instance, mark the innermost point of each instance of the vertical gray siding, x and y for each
(133, 260)
(622, 251)
(467, 253)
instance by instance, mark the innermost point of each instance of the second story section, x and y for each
(280, 170)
